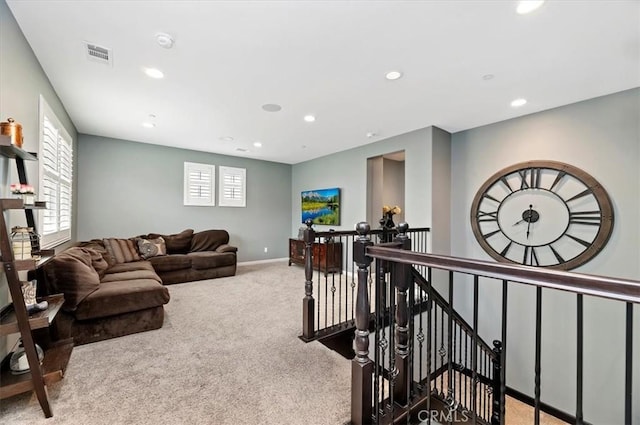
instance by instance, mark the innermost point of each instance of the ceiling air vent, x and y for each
(98, 53)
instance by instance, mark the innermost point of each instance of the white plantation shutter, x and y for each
(233, 187)
(56, 178)
(199, 189)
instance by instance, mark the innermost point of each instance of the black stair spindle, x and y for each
(628, 365)
(538, 355)
(474, 358)
(429, 354)
(450, 345)
(579, 360)
(503, 359)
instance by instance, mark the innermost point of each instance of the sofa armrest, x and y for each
(226, 248)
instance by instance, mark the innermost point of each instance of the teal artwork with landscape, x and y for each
(321, 206)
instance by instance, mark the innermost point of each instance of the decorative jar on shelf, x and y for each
(22, 238)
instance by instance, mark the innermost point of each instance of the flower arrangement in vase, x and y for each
(24, 191)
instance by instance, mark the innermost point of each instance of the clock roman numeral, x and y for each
(530, 256)
(504, 252)
(580, 195)
(559, 177)
(530, 178)
(506, 183)
(487, 216)
(491, 198)
(488, 235)
(580, 241)
(588, 218)
(558, 256)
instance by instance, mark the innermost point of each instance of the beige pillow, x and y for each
(151, 247)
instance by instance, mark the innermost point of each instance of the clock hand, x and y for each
(518, 222)
(529, 220)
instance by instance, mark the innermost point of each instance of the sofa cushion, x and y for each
(131, 275)
(226, 248)
(151, 247)
(208, 259)
(127, 267)
(170, 262)
(122, 297)
(122, 250)
(178, 243)
(71, 273)
(209, 240)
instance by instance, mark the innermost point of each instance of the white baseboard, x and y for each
(271, 260)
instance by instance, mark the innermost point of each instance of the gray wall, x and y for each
(127, 189)
(22, 81)
(602, 137)
(348, 170)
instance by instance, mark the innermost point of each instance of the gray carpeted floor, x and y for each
(228, 354)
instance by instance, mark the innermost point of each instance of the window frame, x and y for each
(64, 228)
(188, 200)
(223, 187)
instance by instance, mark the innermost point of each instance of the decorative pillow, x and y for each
(122, 250)
(176, 244)
(151, 247)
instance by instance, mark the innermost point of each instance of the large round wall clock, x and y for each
(542, 213)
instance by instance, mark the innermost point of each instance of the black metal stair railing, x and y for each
(430, 365)
(330, 278)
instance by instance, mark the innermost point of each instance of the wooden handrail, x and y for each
(606, 287)
(371, 232)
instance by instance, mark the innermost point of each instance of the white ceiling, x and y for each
(326, 58)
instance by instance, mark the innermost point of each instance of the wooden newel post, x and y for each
(402, 281)
(497, 410)
(361, 365)
(308, 303)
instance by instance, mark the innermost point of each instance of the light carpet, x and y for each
(228, 354)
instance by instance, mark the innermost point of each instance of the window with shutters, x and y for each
(199, 189)
(233, 187)
(55, 179)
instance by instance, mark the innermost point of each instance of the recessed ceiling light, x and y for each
(226, 138)
(371, 134)
(271, 107)
(154, 73)
(393, 75)
(518, 102)
(309, 118)
(527, 6)
(257, 144)
(148, 124)
(164, 40)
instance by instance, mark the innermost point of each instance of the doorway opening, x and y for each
(385, 186)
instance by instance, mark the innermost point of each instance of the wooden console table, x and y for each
(327, 257)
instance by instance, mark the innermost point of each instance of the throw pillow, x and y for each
(121, 250)
(151, 247)
(208, 240)
(176, 244)
(98, 262)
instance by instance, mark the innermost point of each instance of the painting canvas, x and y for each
(321, 206)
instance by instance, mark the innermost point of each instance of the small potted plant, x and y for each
(24, 191)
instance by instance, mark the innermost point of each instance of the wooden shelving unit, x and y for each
(16, 319)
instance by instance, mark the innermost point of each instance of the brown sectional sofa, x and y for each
(115, 287)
